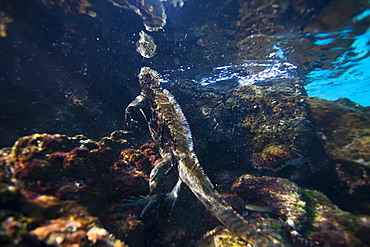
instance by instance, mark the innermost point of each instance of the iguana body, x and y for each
(169, 128)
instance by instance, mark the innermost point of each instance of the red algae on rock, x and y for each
(56, 189)
(53, 184)
(308, 217)
(45, 181)
(279, 193)
(344, 127)
(31, 219)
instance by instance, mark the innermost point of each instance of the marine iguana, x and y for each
(170, 130)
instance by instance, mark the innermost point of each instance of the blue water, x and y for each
(349, 75)
(340, 68)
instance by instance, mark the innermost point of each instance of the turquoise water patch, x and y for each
(324, 41)
(349, 75)
(352, 83)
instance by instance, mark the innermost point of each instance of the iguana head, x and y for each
(148, 78)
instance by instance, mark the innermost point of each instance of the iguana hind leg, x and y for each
(157, 175)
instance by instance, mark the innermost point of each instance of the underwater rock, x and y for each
(335, 14)
(51, 185)
(306, 217)
(47, 178)
(344, 128)
(280, 133)
(279, 194)
(72, 177)
(268, 128)
(266, 16)
(327, 225)
(32, 219)
(58, 232)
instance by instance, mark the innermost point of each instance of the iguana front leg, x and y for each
(139, 104)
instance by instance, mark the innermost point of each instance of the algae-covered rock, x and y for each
(327, 225)
(60, 190)
(51, 185)
(265, 16)
(32, 219)
(280, 132)
(302, 217)
(281, 196)
(344, 127)
(264, 127)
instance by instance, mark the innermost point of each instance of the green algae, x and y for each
(325, 218)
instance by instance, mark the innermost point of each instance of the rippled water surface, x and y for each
(349, 74)
(339, 63)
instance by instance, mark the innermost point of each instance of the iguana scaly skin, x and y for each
(170, 130)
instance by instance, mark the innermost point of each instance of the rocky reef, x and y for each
(58, 190)
(344, 129)
(296, 167)
(46, 181)
(264, 127)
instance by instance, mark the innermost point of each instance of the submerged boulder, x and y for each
(65, 190)
(344, 129)
(302, 217)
